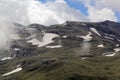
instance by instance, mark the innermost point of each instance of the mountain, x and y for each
(68, 51)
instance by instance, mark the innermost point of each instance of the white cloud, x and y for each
(53, 12)
(14, 10)
(100, 10)
(97, 15)
(4, 34)
(10, 11)
(113, 4)
(30, 11)
(33, 11)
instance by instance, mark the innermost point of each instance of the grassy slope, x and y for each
(65, 66)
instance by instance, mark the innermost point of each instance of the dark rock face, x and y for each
(82, 28)
(107, 33)
(37, 27)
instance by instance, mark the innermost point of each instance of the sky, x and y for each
(48, 12)
(73, 4)
(95, 10)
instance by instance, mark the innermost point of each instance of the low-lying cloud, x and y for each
(51, 12)
(33, 11)
(10, 11)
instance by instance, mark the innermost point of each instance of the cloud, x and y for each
(113, 4)
(10, 11)
(33, 11)
(53, 12)
(4, 33)
(14, 10)
(96, 15)
(100, 10)
(50, 12)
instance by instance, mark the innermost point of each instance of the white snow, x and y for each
(18, 65)
(47, 39)
(108, 37)
(83, 24)
(16, 49)
(84, 58)
(112, 35)
(32, 36)
(57, 46)
(64, 36)
(87, 37)
(34, 42)
(112, 54)
(118, 40)
(6, 58)
(117, 45)
(101, 46)
(95, 31)
(109, 55)
(14, 71)
(117, 49)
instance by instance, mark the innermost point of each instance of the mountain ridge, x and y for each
(69, 51)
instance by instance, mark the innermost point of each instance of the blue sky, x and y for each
(74, 4)
(77, 5)
(80, 6)
(118, 15)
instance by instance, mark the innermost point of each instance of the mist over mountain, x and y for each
(32, 11)
(43, 50)
(52, 12)
(54, 40)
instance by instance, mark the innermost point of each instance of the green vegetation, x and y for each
(62, 64)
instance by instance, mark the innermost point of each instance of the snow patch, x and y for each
(6, 58)
(83, 24)
(84, 58)
(14, 71)
(109, 37)
(118, 40)
(109, 55)
(16, 49)
(117, 49)
(35, 42)
(87, 37)
(18, 65)
(95, 31)
(47, 39)
(64, 36)
(112, 35)
(101, 46)
(57, 46)
(32, 36)
(117, 45)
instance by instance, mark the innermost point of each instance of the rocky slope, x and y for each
(69, 51)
